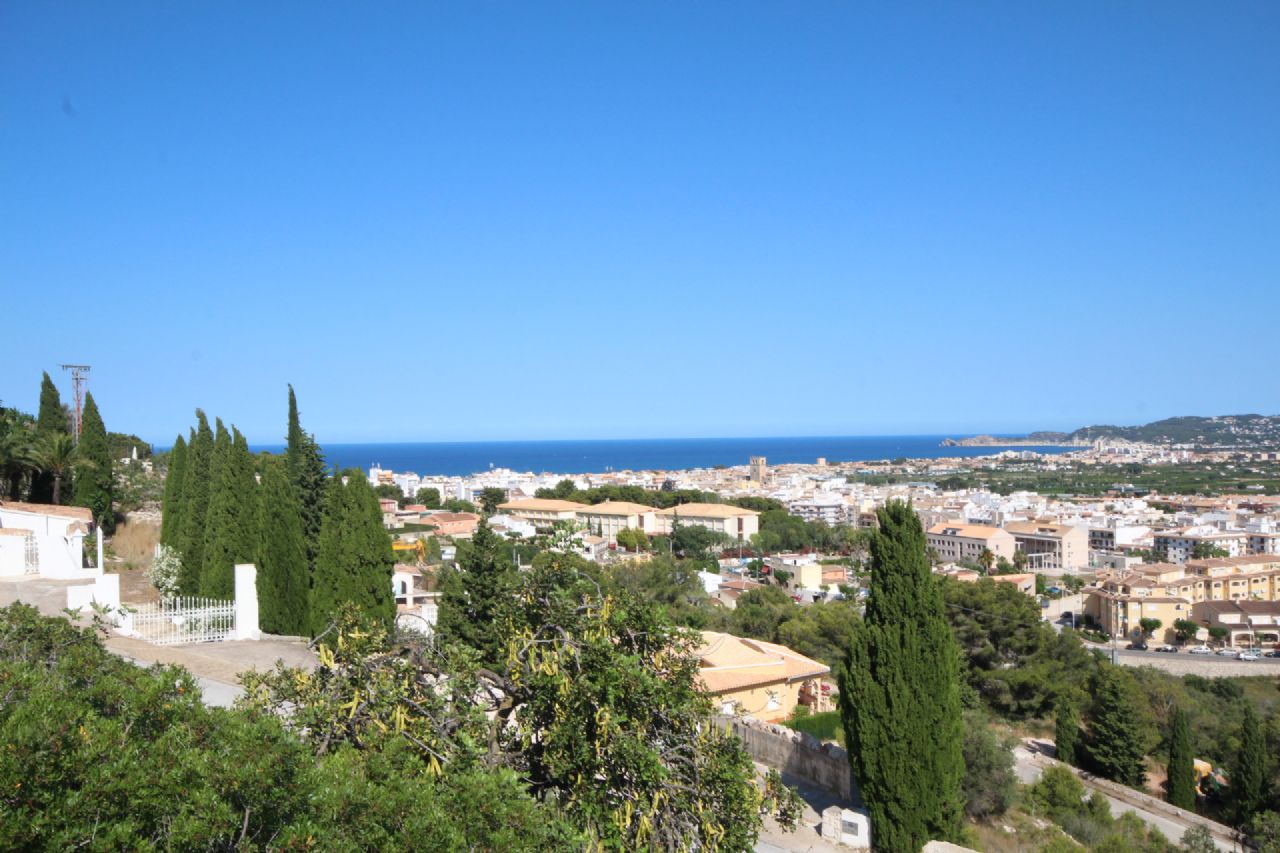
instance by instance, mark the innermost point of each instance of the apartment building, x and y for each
(609, 518)
(954, 542)
(1168, 591)
(1051, 546)
(736, 522)
(542, 512)
(1179, 545)
(829, 509)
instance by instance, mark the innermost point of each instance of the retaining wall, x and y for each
(797, 753)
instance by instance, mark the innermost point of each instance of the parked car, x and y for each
(1137, 646)
(1274, 653)
(1227, 653)
(1199, 650)
(1172, 650)
(1247, 655)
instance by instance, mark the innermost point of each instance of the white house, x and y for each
(46, 540)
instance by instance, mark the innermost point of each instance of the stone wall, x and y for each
(796, 753)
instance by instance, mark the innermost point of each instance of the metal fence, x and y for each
(187, 619)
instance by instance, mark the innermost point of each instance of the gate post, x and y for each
(247, 602)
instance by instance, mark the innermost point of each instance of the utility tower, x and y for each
(79, 376)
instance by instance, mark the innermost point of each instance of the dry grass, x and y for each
(135, 543)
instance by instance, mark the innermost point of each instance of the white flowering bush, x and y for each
(164, 571)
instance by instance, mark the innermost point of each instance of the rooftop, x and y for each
(76, 512)
(707, 511)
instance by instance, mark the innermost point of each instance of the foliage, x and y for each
(1264, 832)
(1198, 839)
(231, 523)
(354, 560)
(171, 508)
(104, 754)
(633, 540)
(310, 481)
(672, 585)
(824, 726)
(284, 579)
(458, 505)
(1184, 630)
(52, 420)
(391, 491)
(1116, 737)
(1149, 625)
(474, 594)
(900, 694)
(195, 503)
(165, 571)
(1249, 771)
(490, 497)
(1014, 660)
(1181, 769)
(94, 483)
(1066, 730)
(428, 497)
(989, 781)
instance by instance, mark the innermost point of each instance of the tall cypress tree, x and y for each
(900, 694)
(52, 419)
(94, 483)
(1115, 745)
(474, 594)
(195, 504)
(1182, 771)
(354, 561)
(232, 521)
(283, 575)
(306, 472)
(171, 514)
(1066, 730)
(1249, 771)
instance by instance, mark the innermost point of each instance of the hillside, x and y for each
(1220, 431)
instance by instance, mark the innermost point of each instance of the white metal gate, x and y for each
(187, 619)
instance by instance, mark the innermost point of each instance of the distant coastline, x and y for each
(1033, 440)
(677, 454)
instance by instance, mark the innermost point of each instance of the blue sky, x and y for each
(546, 220)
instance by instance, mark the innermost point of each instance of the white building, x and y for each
(44, 539)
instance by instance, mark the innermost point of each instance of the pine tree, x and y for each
(1116, 746)
(94, 482)
(171, 516)
(283, 575)
(232, 521)
(354, 561)
(1182, 773)
(1067, 730)
(900, 694)
(475, 593)
(195, 504)
(52, 420)
(1249, 772)
(306, 472)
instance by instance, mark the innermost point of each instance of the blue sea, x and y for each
(664, 454)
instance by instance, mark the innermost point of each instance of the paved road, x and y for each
(1029, 765)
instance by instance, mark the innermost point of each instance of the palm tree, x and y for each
(987, 559)
(17, 456)
(58, 454)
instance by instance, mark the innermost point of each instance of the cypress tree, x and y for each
(1182, 772)
(1248, 773)
(232, 521)
(1116, 746)
(306, 472)
(195, 504)
(171, 514)
(474, 594)
(354, 561)
(52, 419)
(94, 483)
(900, 694)
(1066, 730)
(283, 576)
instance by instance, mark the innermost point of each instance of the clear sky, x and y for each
(603, 219)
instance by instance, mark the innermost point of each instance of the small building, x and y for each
(758, 679)
(1051, 546)
(44, 539)
(452, 523)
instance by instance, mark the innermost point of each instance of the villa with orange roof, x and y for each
(758, 679)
